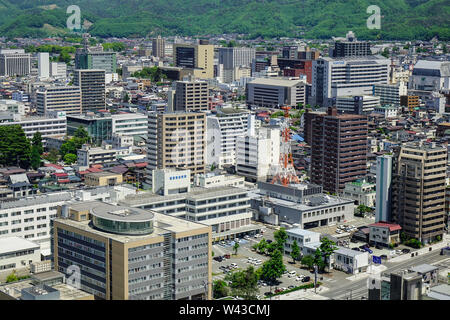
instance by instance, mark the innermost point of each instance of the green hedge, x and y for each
(305, 286)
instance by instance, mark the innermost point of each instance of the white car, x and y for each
(234, 265)
(299, 278)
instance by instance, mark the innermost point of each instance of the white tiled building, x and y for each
(303, 237)
(17, 253)
(350, 261)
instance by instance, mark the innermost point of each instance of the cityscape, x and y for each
(146, 161)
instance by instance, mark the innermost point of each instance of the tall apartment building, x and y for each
(357, 104)
(101, 60)
(390, 93)
(133, 254)
(191, 95)
(234, 57)
(58, 98)
(384, 188)
(58, 69)
(195, 56)
(158, 47)
(410, 102)
(92, 85)
(223, 130)
(267, 92)
(14, 62)
(351, 47)
(338, 149)
(43, 65)
(176, 140)
(258, 153)
(290, 52)
(309, 118)
(418, 190)
(347, 76)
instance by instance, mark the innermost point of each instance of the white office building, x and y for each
(87, 155)
(350, 261)
(383, 188)
(302, 237)
(357, 104)
(130, 124)
(256, 155)
(17, 253)
(211, 180)
(430, 75)
(54, 124)
(12, 106)
(390, 93)
(43, 65)
(352, 76)
(222, 132)
(58, 70)
(14, 62)
(58, 98)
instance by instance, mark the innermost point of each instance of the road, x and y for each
(358, 289)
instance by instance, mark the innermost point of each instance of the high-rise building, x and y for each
(351, 47)
(390, 93)
(338, 149)
(92, 85)
(195, 56)
(410, 102)
(14, 62)
(223, 130)
(290, 52)
(102, 60)
(43, 65)
(418, 189)
(269, 92)
(384, 188)
(257, 154)
(191, 95)
(58, 98)
(158, 47)
(309, 118)
(129, 253)
(236, 57)
(176, 140)
(58, 70)
(348, 76)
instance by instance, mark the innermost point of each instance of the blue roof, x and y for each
(296, 137)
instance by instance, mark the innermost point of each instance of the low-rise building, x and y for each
(361, 191)
(17, 253)
(384, 234)
(303, 239)
(101, 179)
(350, 261)
(87, 155)
(210, 180)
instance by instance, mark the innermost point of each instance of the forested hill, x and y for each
(401, 19)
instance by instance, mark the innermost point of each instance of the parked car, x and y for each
(406, 250)
(227, 256)
(291, 287)
(356, 249)
(306, 279)
(353, 240)
(247, 237)
(269, 241)
(368, 250)
(299, 278)
(383, 256)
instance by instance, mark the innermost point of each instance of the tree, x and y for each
(70, 158)
(52, 156)
(236, 247)
(15, 148)
(244, 283)
(126, 98)
(280, 238)
(271, 247)
(220, 289)
(35, 158)
(37, 142)
(255, 247)
(262, 246)
(308, 261)
(274, 267)
(326, 249)
(295, 253)
(82, 133)
(12, 277)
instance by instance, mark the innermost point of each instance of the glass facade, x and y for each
(123, 227)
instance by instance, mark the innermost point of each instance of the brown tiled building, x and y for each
(418, 190)
(339, 149)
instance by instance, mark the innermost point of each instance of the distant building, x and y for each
(158, 47)
(361, 191)
(87, 156)
(383, 188)
(195, 56)
(43, 65)
(430, 75)
(101, 179)
(14, 62)
(267, 92)
(100, 60)
(236, 57)
(59, 98)
(58, 70)
(92, 85)
(390, 93)
(357, 104)
(351, 47)
(191, 95)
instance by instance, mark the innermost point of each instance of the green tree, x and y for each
(35, 158)
(308, 261)
(12, 277)
(236, 247)
(322, 254)
(244, 283)
(280, 238)
(70, 158)
(220, 289)
(271, 247)
(52, 156)
(274, 267)
(255, 247)
(15, 148)
(126, 98)
(262, 246)
(295, 253)
(37, 142)
(82, 133)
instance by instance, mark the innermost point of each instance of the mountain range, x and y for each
(322, 19)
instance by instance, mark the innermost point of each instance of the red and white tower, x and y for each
(285, 173)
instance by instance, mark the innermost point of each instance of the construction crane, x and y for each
(285, 173)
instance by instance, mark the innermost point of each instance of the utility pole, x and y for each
(315, 278)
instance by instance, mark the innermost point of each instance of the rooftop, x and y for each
(423, 268)
(391, 226)
(276, 82)
(301, 232)
(349, 252)
(12, 244)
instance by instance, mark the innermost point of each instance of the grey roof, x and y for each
(117, 213)
(21, 177)
(349, 252)
(424, 268)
